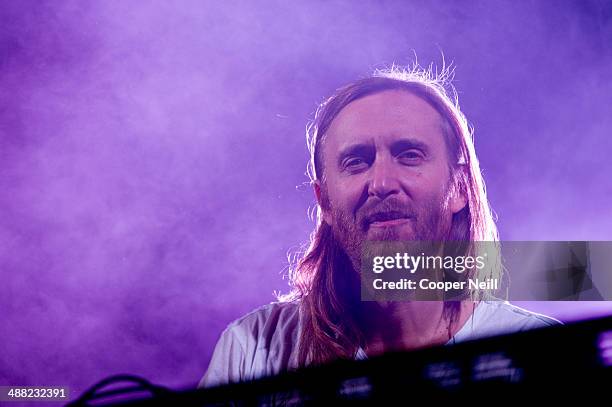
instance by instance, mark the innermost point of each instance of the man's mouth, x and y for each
(387, 219)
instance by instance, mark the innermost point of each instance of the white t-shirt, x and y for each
(264, 341)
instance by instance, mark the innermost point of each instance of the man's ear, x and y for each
(458, 201)
(458, 198)
(322, 201)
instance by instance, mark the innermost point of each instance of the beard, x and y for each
(429, 222)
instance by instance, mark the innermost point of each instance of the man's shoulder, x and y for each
(267, 322)
(511, 312)
(493, 318)
(260, 343)
(277, 312)
(501, 317)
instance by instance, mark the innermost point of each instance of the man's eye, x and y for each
(354, 163)
(410, 157)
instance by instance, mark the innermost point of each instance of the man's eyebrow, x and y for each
(404, 144)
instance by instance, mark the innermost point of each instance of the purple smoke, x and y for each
(150, 153)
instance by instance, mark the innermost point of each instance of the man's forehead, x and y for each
(385, 117)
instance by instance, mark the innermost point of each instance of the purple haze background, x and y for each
(150, 153)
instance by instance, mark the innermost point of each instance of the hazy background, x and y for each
(150, 153)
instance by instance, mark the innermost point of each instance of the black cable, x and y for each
(95, 393)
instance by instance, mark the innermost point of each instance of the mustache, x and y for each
(376, 210)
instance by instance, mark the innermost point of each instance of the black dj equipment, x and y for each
(565, 363)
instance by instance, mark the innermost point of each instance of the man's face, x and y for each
(386, 172)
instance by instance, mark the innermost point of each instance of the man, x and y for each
(392, 158)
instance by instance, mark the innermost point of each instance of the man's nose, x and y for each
(383, 179)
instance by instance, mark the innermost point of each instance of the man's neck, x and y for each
(398, 326)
